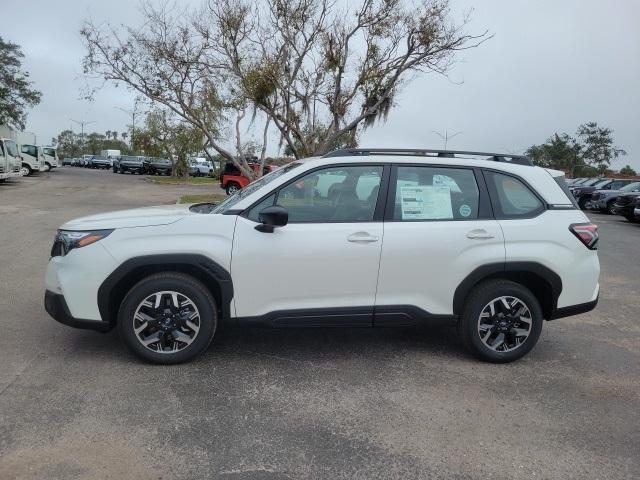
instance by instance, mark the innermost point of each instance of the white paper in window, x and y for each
(426, 203)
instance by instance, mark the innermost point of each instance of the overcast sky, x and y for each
(552, 65)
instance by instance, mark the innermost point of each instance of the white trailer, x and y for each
(110, 153)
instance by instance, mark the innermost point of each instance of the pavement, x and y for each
(314, 404)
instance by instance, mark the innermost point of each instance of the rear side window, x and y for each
(435, 193)
(512, 198)
(563, 185)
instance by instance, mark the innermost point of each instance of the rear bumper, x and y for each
(574, 309)
(56, 306)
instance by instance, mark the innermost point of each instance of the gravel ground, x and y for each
(290, 404)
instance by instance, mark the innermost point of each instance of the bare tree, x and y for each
(317, 72)
(320, 72)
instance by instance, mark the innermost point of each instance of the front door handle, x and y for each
(362, 237)
(479, 234)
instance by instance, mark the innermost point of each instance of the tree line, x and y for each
(588, 153)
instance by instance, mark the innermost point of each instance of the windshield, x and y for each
(50, 151)
(253, 187)
(602, 183)
(12, 148)
(588, 183)
(631, 187)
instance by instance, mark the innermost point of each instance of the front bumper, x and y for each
(56, 306)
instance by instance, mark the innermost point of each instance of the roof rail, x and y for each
(420, 152)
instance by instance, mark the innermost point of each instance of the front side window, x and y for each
(334, 194)
(435, 193)
(513, 198)
(254, 187)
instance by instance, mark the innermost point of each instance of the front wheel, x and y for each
(582, 203)
(168, 318)
(501, 321)
(26, 170)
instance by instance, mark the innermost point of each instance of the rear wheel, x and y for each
(168, 318)
(501, 321)
(232, 188)
(610, 205)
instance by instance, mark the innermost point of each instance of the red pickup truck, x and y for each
(233, 180)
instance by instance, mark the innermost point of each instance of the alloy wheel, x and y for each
(166, 322)
(504, 324)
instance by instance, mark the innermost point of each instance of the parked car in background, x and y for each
(158, 166)
(200, 167)
(582, 194)
(232, 180)
(636, 210)
(625, 205)
(129, 163)
(603, 200)
(101, 162)
(86, 161)
(67, 161)
(574, 181)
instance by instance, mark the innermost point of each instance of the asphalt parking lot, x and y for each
(291, 404)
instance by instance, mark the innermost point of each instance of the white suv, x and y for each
(356, 238)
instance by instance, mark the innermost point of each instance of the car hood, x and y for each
(138, 217)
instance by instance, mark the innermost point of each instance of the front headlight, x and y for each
(67, 240)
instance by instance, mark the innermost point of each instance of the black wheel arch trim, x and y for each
(509, 268)
(209, 270)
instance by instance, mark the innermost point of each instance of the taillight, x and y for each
(587, 233)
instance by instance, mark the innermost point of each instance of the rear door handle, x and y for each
(479, 235)
(362, 237)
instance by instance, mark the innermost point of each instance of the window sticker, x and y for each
(465, 210)
(426, 203)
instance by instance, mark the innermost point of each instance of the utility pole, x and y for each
(133, 114)
(82, 123)
(446, 137)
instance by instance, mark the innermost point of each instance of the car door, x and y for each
(322, 267)
(438, 229)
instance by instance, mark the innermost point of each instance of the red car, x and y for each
(233, 180)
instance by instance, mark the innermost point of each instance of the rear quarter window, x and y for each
(511, 198)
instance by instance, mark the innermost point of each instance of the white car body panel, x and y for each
(304, 265)
(423, 262)
(546, 240)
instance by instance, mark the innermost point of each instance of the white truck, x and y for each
(50, 157)
(31, 153)
(9, 159)
(110, 153)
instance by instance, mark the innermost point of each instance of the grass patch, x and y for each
(182, 180)
(209, 198)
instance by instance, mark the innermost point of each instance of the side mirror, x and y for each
(272, 217)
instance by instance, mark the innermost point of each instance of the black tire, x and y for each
(171, 281)
(231, 188)
(609, 208)
(476, 302)
(632, 218)
(582, 203)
